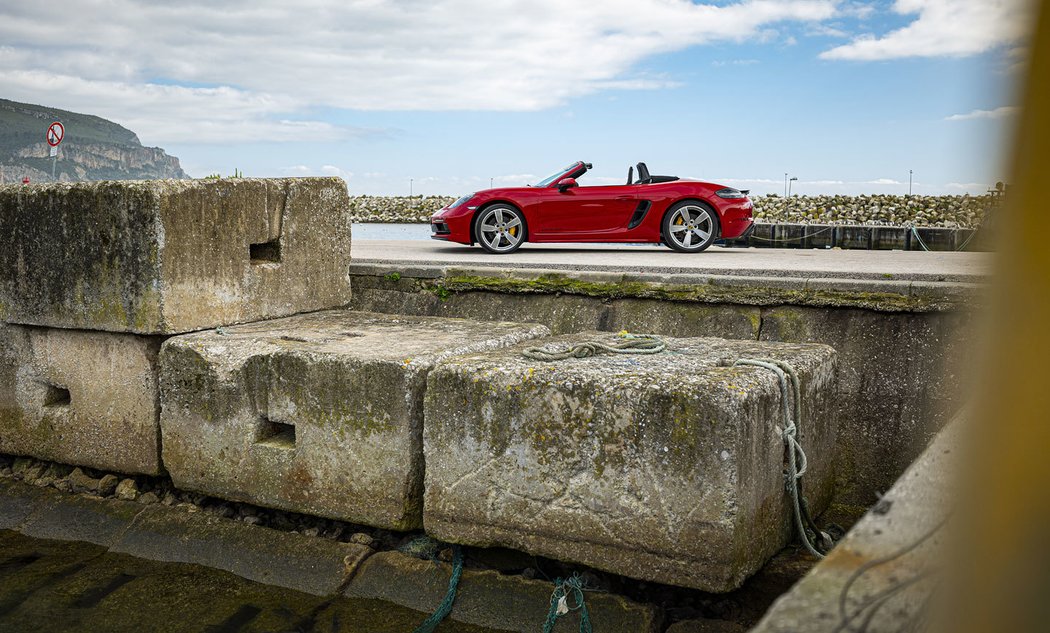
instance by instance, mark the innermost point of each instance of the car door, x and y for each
(587, 212)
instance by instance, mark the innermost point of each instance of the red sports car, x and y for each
(687, 215)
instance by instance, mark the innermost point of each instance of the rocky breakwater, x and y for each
(939, 211)
(886, 210)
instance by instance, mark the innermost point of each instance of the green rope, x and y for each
(445, 607)
(632, 344)
(560, 604)
(797, 463)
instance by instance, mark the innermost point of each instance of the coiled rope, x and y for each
(797, 463)
(560, 604)
(445, 607)
(632, 344)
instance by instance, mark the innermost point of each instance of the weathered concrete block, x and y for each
(790, 235)
(890, 238)
(935, 239)
(820, 236)
(164, 257)
(763, 235)
(853, 237)
(666, 467)
(319, 413)
(75, 397)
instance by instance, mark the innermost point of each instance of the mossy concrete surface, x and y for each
(665, 467)
(320, 413)
(894, 555)
(171, 256)
(77, 397)
(904, 360)
(490, 599)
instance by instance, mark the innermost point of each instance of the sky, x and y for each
(445, 97)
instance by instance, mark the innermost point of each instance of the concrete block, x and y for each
(665, 467)
(166, 256)
(76, 397)
(890, 238)
(791, 235)
(763, 235)
(820, 236)
(488, 598)
(320, 413)
(853, 237)
(935, 239)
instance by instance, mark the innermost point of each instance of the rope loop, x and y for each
(631, 344)
(560, 606)
(445, 607)
(791, 412)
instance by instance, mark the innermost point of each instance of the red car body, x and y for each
(606, 213)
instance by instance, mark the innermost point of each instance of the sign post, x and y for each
(55, 133)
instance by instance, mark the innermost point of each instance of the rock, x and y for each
(361, 539)
(165, 256)
(76, 397)
(169, 499)
(320, 414)
(108, 485)
(80, 482)
(127, 490)
(665, 467)
(148, 498)
(311, 531)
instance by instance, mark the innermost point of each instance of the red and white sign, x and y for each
(55, 134)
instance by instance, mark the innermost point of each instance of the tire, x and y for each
(685, 214)
(500, 229)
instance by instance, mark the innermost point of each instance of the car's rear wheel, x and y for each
(500, 229)
(690, 226)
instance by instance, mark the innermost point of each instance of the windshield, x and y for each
(556, 175)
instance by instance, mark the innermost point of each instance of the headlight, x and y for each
(460, 201)
(729, 193)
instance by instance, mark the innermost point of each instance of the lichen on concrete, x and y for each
(319, 413)
(163, 257)
(76, 397)
(662, 467)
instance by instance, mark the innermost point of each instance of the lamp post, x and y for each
(793, 179)
(409, 187)
(909, 183)
(785, 184)
(490, 183)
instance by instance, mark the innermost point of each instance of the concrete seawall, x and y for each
(901, 343)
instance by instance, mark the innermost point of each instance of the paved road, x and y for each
(765, 262)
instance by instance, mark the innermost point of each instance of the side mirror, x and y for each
(566, 183)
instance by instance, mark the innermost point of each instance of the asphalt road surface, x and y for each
(755, 262)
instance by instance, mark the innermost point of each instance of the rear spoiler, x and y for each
(745, 191)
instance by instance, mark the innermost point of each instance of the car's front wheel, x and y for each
(690, 227)
(500, 229)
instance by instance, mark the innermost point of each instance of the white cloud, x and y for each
(213, 72)
(882, 181)
(998, 113)
(943, 28)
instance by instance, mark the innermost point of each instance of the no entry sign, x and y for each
(55, 132)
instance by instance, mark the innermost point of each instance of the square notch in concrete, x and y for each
(56, 396)
(348, 385)
(265, 253)
(275, 434)
(665, 467)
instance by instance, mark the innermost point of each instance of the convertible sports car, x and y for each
(686, 215)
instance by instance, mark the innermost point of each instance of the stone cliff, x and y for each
(93, 148)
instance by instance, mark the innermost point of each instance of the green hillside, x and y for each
(23, 124)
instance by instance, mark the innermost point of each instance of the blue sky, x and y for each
(847, 96)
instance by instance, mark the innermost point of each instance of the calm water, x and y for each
(390, 231)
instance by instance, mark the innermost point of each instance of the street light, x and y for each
(793, 179)
(409, 187)
(909, 183)
(785, 184)
(490, 183)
